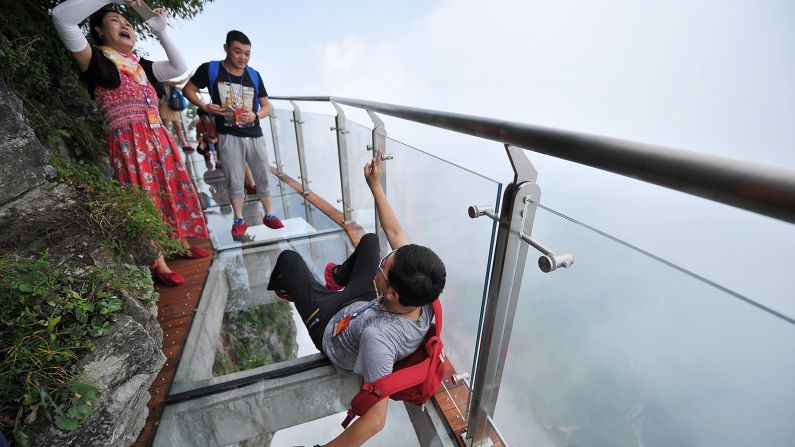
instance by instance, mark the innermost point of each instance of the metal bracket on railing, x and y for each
(299, 142)
(547, 263)
(340, 127)
(460, 377)
(379, 146)
(275, 136)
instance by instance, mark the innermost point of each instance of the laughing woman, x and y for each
(140, 148)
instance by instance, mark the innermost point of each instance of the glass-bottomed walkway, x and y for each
(618, 348)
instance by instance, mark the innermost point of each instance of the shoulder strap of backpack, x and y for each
(437, 314)
(254, 76)
(372, 393)
(212, 76)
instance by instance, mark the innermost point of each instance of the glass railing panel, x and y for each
(623, 349)
(288, 148)
(398, 431)
(210, 182)
(268, 134)
(322, 158)
(430, 197)
(363, 208)
(240, 325)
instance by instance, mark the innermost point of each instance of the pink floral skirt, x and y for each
(149, 158)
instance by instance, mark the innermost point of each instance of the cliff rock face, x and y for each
(38, 214)
(23, 158)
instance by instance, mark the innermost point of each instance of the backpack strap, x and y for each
(437, 314)
(372, 393)
(212, 75)
(254, 76)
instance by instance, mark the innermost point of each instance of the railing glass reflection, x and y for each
(624, 350)
(288, 148)
(322, 161)
(430, 197)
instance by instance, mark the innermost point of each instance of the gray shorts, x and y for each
(237, 152)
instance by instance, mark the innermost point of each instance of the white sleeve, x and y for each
(175, 64)
(68, 15)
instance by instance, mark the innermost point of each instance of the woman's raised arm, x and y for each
(175, 64)
(66, 17)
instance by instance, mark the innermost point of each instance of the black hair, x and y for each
(236, 36)
(97, 18)
(417, 275)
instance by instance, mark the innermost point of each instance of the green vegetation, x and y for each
(50, 315)
(40, 70)
(126, 217)
(255, 337)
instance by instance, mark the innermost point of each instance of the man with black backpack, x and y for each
(373, 316)
(238, 100)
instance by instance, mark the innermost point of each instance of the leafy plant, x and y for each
(126, 217)
(50, 315)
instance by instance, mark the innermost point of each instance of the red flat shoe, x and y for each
(196, 253)
(330, 283)
(171, 279)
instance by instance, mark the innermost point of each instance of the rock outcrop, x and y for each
(37, 214)
(24, 160)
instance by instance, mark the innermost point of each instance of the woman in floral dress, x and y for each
(125, 88)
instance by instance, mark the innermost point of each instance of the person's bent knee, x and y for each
(369, 238)
(288, 256)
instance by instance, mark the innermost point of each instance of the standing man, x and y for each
(238, 101)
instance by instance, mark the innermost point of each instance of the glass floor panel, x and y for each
(240, 326)
(300, 218)
(398, 431)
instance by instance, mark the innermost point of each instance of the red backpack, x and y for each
(415, 379)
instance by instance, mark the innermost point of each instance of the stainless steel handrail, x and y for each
(754, 187)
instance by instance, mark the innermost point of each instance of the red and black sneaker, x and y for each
(272, 222)
(328, 275)
(239, 228)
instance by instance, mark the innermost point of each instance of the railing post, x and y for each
(507, 270)
(275, 135)
(299, 142)
(342, 150)
(379, 146)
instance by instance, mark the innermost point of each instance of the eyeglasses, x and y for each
(381, 265)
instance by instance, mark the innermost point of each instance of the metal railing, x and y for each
(762, 189)
(765, 190)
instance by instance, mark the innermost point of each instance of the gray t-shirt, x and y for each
(374, 339)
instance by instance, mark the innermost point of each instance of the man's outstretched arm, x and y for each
(387, 217)
(363, 428)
